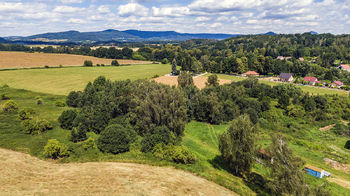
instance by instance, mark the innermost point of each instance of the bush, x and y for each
(177, 154)
(347, 145)
(88, 63)
(340, 129)
(25, 114)
(115, 63)
(74, 98)
(60, 104)
(39, 101)
(78, 134)
(115, 139)
(161, 135)
(10, 106)
(55, 149)
(36, 126)
(67, 118)
(4, 97)
(165, 61)
(89, 144)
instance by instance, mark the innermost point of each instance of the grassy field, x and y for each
(309, 89)
(23, 59)
(61, 81)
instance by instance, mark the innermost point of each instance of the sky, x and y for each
(28, 17)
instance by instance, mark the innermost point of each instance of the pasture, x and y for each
(60, 81)
(11, 60)
(200, 81)
(310, 89)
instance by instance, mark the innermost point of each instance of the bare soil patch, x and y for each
(338, 166)
(22, 174)
(24, 60)
(198, 81)
(327, 128)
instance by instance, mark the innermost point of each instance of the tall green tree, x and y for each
(286, 169)
(213, 80)
(174, 71)
(185, 79)
(237, 145)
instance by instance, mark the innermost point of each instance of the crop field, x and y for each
(61, 81)
(10, 60)
(310, 89)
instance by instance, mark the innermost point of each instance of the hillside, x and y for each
(121, 36)
(23, 175)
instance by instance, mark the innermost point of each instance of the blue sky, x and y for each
(27, 17)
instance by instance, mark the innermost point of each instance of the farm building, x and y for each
(315, 171)
(301, 59)
(345, 67)
(286, 77)
(280, 58)
(250, 73)
(311, 80)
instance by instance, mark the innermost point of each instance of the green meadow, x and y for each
(60, 81)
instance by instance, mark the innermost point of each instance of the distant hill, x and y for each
(120, 36)
(270, 33)
(2, 40)
(313, 33)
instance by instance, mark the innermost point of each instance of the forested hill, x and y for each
(121, 36)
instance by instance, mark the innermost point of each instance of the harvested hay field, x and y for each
(22, 174)
(198, 81)
(10, 60)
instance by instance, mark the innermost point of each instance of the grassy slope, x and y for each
(199, 140)
(61, 81)
(310, 89)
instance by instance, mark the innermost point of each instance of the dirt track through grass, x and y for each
(22, 174)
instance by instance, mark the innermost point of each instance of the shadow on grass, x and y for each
(254, 181)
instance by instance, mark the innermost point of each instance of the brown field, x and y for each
(198, 81)
(22, 174)
(24, 60)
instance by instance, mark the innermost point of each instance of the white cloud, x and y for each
(202, 18)
(132, 9)
(76, 20)
(67, 9)
(71, 1)
(170, 11)
(103, 9)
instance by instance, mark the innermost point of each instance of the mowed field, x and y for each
(22, 174)
(60, 81)
(10, 60)
(200, 81)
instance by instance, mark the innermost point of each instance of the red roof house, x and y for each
(337, 84)
(251, 73)
(311, 80)
(345, 67)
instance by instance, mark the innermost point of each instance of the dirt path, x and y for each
(340, 181)
(198, 81)
(21, 174)
(327, 128)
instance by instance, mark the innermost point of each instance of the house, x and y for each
(288, 57)
(250, 73)
(337, 84)
(315, 171)
(301, 59)
(345, 67)
(286, 77)
(280, 58)
(311, 80)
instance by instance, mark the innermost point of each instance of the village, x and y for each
(307, 80)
